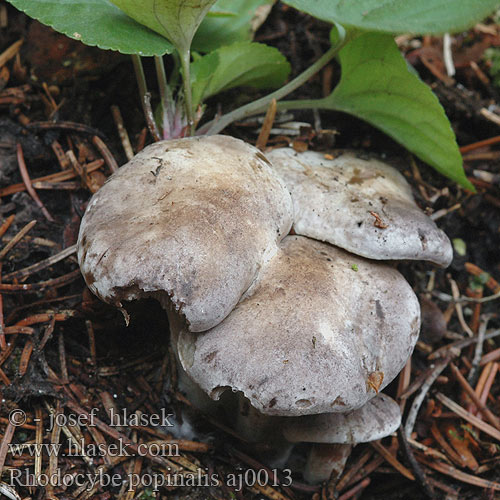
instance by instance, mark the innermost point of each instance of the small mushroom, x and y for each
(320, 331)
(361, 205)
(334, 434)
(187, 221)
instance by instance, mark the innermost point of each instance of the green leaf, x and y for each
(98, 23)
(238, 23)
(240, 64)
(400, 16)
(176, 20)
(377, 87)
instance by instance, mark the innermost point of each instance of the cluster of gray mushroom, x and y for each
(273, 272)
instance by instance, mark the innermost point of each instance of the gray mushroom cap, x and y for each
(376, 419)
(190, 220)
(319, 332)
(339, 201)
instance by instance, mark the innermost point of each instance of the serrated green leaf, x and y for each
(177, 20)
(400, 16)
(376, 86)
(240, 64)
(215, 32)
(97, 23)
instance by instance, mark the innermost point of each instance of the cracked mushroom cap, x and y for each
(191, 220)
(363, 206)
(376, 419)
(320, 331)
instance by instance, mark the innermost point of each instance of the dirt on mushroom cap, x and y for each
(309, 334)
(363, 206)
(190, 219)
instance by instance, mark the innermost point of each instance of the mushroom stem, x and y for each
(186, 385)
(251, 425)
(194, 393)
(262, 433)
(326, 461)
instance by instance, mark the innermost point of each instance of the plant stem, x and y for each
(303, 104)
(165, 95)
(150, 118)
(141, 81)
(252, 108)
(145, 97)
(161, 76)
(186, 80)
(174, 75)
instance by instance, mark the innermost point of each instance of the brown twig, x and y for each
(27, 182)
(478, 351)
(60, 155)
(16, 239)
(91, 335)
(403, 384)
(55, 435)
(476, 422)
(480, 144)
(43, 264)
(122, 132)
(150, 119)
(459, 475)
(6, 224)
(491, 356)
(3, 343)
(487, 414)
(355, 490)
(141, 141)
(10, 52)
(489, 382)
(255, 464)
(266, 126)
(38, 440)
(106, 153)
(6, 440)
(62, 359)
(66, 125)
(460, 344)
(35, 287)
(419, 473)
(476, 312)
(62, 176)
(458, 308)
(441, 441)
(25, 357)
(373, 465)
(4, 378)
(349, 474)
(419, 399)
(482, 378)
(61, 186)
(110, 431)
(44, 317)
(491, 283)
(23, 330)
(384, 452)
